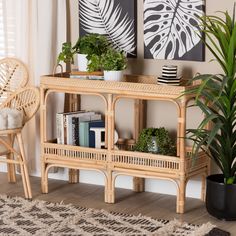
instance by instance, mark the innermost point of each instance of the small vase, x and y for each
(82, 62)
(113, 75)
(152, 146)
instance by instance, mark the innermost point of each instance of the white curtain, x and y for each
(7, 28)
(41, 30)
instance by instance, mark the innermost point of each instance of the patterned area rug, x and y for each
(22, 217)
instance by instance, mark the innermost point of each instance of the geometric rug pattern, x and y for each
(23, 217)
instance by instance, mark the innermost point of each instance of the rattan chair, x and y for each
(25, 100)
(13, 75)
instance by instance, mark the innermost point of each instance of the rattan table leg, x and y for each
(181, 198)
(203, 190)
(110, 188)
(73, 176)
(138, 184)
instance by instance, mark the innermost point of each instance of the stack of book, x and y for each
(96, 75)
(73, 128)
(169, 76)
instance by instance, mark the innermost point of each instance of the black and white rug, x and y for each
(22, 217)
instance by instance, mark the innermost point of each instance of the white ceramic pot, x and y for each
(82, 62)
(113, 75)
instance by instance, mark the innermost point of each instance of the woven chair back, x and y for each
(13, 75)
(26, 99)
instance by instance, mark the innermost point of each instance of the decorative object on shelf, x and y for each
(86, 47)
(170, 29)
(169, 76)
(96, 75)
(113, 63)
(216, 99)
(98, 133)
(125, 144)
(115, 19)
(67, 53)
(155, 140)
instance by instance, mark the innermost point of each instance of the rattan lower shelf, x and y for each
(111, 162)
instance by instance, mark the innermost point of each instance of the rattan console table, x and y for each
(111, 162)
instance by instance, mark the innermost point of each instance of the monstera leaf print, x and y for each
(170, 26)
(107, 18)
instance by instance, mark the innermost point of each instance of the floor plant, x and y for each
(216, 97)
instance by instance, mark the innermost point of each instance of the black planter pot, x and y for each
(220, 198)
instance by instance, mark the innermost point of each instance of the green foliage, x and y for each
(216, 97)
(164, 143)
(113, 60)
(91, 44)
(67, 53)
(94, 63)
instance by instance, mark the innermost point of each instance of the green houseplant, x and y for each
(87, 47)
(67, 53)
(113, 63)
(155, 140)
(216, 97)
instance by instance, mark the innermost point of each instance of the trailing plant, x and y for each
(113, 60)
(93, 45)
(216, 97)
(165, 145)
(67, 53)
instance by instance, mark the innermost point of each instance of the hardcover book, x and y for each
(87, 137)
(76, 128)
(94, 124)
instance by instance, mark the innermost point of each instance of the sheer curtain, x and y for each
(33, 31)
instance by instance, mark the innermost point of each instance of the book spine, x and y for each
(69, 130)
(64, 130)
(60, 130)
(75, 131)
(83, 134)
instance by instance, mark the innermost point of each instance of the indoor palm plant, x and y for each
(216, 97)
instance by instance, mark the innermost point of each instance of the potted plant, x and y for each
(155, 140)
(86, 47)
(113, 63)
(216, 97)
(67, 53)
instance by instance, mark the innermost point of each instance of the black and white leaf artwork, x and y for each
(171, 29)
(115, 19)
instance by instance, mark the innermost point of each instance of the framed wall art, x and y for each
(171, 29)
(117, 19)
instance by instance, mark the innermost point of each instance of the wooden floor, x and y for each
(150, 204)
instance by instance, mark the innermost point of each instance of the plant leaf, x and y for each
(170, 26)
(106, 18)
